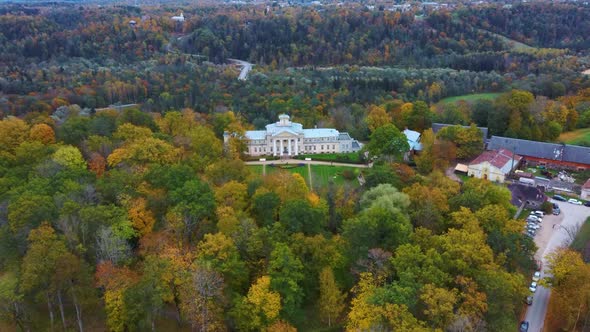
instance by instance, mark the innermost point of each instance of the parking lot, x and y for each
(551, 236)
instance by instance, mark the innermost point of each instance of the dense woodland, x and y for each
(152, 219)
(141, 219)
(318, 65)
(543, 25)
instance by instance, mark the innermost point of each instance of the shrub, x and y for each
(348, 174)
(547, 207)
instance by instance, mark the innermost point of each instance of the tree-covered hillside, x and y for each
(123, 220)
(122, 209)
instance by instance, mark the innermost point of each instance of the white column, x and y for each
(289, 147)
(296, 148)
(281, 153)
(274, 150)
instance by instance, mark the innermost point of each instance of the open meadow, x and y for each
(576, 137)
(470, 97)
(321, 175)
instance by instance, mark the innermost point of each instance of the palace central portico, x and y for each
(286, 138)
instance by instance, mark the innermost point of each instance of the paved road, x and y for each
(549, 239)
(246, 67)
(311, 162)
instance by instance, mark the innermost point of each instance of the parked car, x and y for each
(534, 218)
(574, 201)
(533, 287)
(531, 232)
(524, 326)
(559, 198)
(538, 213)
(533, 226)
(587, 203)
(537, 276)
(528, 300)
(556, 211)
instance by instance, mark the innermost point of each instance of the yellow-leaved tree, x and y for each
(377, 117)
(440, 304)
(259, 308)
(570, 299)
(69, 157)
(331, 300)
(142, 218)
(363, 314)
(43, 133)
(140, 152)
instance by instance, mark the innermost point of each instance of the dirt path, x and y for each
(310, 162)
(450, 172)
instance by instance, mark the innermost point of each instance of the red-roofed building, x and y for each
(494, 165)
(586, 190)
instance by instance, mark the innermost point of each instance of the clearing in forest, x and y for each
(471, 97)
(576, 137)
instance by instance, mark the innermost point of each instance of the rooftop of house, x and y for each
(550, 151)
(500, 158)
(285, 125)
(413, 139)
(586, 185)
(523, 193)
(436, 127)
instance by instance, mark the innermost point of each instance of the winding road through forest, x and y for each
(246, 67)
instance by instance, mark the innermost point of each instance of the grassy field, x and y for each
(583, 237)
(576, 137)
(513, 44)
(470, 98)
(352, 157)
(321, 175)
(519, 47)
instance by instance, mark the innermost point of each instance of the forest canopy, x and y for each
(123, 209)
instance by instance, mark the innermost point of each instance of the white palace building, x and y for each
(286, 138)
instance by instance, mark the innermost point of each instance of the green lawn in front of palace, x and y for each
(322, 175)
(350, 157)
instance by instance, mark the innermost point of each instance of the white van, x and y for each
(528, 181)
